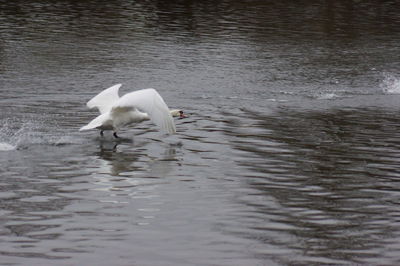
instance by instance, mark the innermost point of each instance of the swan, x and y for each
(133, 107)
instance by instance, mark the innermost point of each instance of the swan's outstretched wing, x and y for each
(150, 102)
(105, 99)
(102, 120)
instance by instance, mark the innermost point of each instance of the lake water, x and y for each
(290, 154)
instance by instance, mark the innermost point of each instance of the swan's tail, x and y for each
(100, 121)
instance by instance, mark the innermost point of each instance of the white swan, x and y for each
(116, 112)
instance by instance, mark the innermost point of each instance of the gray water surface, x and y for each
(290, 154)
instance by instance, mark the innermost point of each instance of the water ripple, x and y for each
(324, 178)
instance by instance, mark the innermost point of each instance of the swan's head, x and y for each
(178, 113)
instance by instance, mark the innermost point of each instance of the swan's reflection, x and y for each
(113, 161)
(129, 176)
(146, 159)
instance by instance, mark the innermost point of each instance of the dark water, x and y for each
(290, 155)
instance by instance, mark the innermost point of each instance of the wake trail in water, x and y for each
(20, 134)
(326, 96)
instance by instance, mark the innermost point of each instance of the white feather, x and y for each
(105, 99)
(103, 122)
(148, 101)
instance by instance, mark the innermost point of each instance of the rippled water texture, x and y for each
(290, 154)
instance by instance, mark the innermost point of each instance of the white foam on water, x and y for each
(7, 143)
(390, 84)
(7, 147)
(326, 96)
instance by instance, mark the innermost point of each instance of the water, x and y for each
(290, 154)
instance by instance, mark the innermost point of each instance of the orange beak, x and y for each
(182, 115)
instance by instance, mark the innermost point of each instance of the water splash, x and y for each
(7, 137)
(6, 147)
(22, 133)
(390, 84)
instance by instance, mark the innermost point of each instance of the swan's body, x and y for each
(134, 107)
